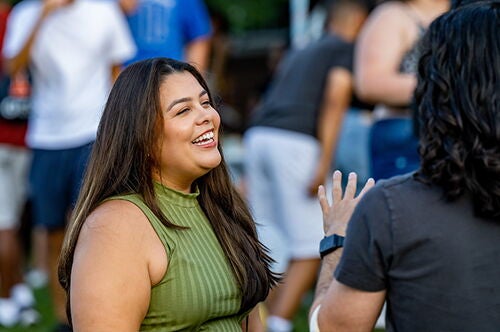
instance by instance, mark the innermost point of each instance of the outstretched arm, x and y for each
(342, 308)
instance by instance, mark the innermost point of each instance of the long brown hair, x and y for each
(122, 160)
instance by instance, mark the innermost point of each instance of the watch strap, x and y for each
(330, 243)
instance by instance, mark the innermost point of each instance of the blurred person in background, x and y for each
(289, 148)
(427, 242)
(16, 298)
(73, 50)
(386, 57)
(177, 29)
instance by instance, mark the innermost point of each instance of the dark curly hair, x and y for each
(458, 98)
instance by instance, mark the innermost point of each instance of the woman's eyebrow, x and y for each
(185, 99)
(177, 101)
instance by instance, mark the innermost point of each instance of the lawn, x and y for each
(44, 307)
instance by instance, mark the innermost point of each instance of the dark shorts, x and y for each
(55, 180)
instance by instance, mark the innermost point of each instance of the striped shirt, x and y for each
(199, 291)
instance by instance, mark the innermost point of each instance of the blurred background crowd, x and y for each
(303, 87)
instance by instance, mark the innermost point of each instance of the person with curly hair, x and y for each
(427, 242)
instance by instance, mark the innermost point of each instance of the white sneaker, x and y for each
(29, 317)
(36, 278)
(22, 295)
(9, 313)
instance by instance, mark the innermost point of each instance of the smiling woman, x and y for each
(190, 132)
(160, 240)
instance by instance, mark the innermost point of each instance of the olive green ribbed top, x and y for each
(199, 291)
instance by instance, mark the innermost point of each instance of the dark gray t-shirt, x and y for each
(294, 99)
(439, 264)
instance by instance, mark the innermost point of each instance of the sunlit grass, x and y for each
(44, 307)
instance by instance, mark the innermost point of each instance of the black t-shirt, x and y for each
(296, 92)
(439, 264)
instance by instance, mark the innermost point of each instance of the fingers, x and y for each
(337, 193)
(323, 201)
(368, 185)
(337, 187)
(350, 189)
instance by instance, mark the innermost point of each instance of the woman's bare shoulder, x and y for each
(119, 220)
(391, 12)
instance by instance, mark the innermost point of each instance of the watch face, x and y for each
(326, 243)
(330, 243)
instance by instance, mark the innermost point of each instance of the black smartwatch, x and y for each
(330, 244)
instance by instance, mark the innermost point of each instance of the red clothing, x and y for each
(10, 133)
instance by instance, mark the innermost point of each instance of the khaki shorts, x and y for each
(279, 165)
(14, 166)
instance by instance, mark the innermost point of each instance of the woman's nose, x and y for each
(203, 115)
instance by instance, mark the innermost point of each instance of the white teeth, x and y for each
(204, 137)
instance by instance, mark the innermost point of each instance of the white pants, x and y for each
(14, 166)
(279, 165)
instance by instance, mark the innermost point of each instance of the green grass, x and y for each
(44, 307)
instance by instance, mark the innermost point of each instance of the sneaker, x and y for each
(29, 317)
(37, 278)
(9, 313)
(22, 295)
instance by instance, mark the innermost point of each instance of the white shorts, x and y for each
(279, 165)
(14, 166)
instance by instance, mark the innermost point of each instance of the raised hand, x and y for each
(336, 215)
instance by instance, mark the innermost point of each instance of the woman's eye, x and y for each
(182, 111)
(206, 103)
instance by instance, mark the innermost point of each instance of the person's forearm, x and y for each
(21, 61)
(396, 90)
(337, 96)
(197, 53)
(328, 265)
(329, 129)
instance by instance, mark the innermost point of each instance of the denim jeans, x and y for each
(393, 148)
(352, 154)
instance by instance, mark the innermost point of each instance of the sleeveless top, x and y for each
(409, 62)
(199, 291)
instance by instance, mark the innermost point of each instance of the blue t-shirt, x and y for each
(162, 28)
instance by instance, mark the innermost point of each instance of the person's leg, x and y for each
(10, 261)
(38, 276)
(301, 223)
(15, 296)
(12, 197)
(49, 179)
(299, 278)
(76, 160)
(55, 241)
(263, 201)
(260, 145)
